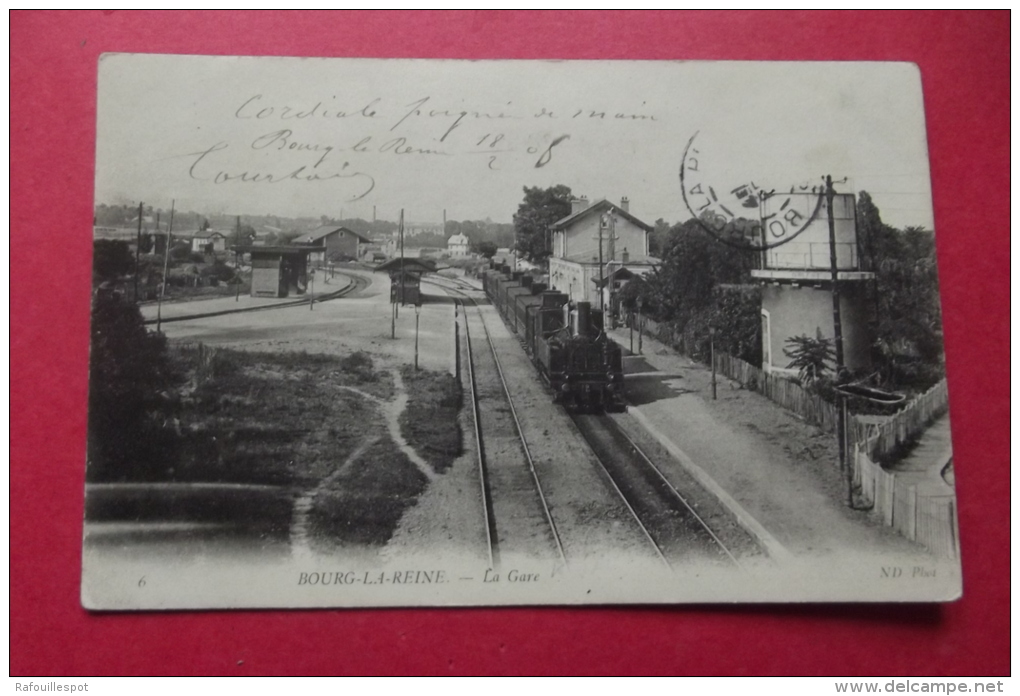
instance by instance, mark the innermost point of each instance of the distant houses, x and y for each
(457, 246)
(333, 243)
(209, 242)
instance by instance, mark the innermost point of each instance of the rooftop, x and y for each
(598, 207)
(324, 231)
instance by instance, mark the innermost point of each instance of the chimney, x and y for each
(625, 204)
(578, 204)
(625, 256)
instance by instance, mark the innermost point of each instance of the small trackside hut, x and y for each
(277, 271)
(405, 278)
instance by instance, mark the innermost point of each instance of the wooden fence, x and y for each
(882, 439)
(786, 393)
(925, 517)
(929, 518)
(936, 526)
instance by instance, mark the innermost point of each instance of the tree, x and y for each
(130, 382)
(658, 239)
(811, 357)
(694, 263)
(282, 237)
(245, 234)
(908, 331)
(111, 260)
(703, 284)
(180, 251)
(485, 249)
(634, 295)
(536, 213)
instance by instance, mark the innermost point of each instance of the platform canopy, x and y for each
(622, 273)
(406, 265)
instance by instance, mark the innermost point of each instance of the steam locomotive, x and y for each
(565, 340)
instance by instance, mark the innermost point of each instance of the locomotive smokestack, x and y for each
(583, 318)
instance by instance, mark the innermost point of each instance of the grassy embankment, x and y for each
(292, 422)
(273, 418)
(429, 423)
(365, 502)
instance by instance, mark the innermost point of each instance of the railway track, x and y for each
(519, 524)
(672, 526)
(356, 285)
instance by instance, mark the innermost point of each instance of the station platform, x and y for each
(778, 475)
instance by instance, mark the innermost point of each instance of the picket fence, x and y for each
(786, 393)
(882, 439)
(926, 518)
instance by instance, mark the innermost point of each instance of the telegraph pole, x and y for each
(837, 324)
(166, 267)
(837, 330)
(138, 249)
(400, 229)
(417, 312)
(237, 259)
(612, 257)
(602, 294)
(711, 353)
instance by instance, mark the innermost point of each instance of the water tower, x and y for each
(796, 278)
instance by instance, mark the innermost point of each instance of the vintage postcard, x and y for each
(417, 332)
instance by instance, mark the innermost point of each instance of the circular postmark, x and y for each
(746, 216)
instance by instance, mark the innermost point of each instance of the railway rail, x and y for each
(516, 510)
(672, 526)
(356, 285)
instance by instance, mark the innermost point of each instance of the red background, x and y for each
(964, 62)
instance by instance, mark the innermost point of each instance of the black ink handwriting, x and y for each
(250, 110)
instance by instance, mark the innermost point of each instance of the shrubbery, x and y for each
(131, 395)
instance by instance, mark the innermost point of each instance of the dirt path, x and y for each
(299, 536)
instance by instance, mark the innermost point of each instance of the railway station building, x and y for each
(332, 243)
(596, 242)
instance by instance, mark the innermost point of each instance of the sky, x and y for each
(338, 137)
